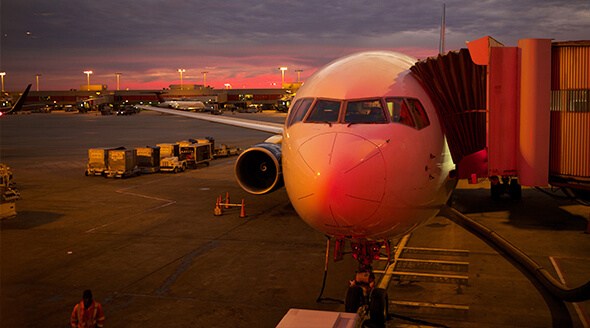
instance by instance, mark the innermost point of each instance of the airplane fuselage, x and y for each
(353, 176)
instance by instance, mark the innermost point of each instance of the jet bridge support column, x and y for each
(535, 103)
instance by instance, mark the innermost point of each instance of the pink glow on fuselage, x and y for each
(366, 181)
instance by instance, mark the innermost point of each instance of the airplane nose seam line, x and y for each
(361, 162)
(365, 199)
(304, 161)
(332, 149)
(333, 216)
(308, 195)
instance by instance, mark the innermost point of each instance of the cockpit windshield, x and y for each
(299, 110)
(364, 111)
(325, 111)
(403, 110)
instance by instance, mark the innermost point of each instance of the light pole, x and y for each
(2, 75)
(204, 78)
(37, 76)
(118, 74)
(283, 69)
(88, 78)
(298, 74)
(181, 70)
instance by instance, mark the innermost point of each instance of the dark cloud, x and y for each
(150, 37)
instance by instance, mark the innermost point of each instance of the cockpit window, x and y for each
(366, 111)
(299, 110)
(324, 111)
(398, 110)
(419, 113)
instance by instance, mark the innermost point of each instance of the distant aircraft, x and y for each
(18, 105)
(362, 155)
(180, 104)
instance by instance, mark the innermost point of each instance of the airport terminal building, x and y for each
(97, 95)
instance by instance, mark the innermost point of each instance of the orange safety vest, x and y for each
(87, 318)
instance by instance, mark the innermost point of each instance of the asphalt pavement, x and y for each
(154, 254)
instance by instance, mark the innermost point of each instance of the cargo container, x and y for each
(196, 153)
(8, 195)
(148, 159)
(200, 141)
(122, 163)
(98, 160)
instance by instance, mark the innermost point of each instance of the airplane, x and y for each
(180, 104)
(362, 155)
(18, 105)
(363, 158)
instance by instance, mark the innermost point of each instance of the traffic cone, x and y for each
(218, 211)
(227, 200)
(243, 211)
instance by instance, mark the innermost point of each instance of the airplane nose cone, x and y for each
(345, 179)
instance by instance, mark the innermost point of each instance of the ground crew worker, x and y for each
(88, 313)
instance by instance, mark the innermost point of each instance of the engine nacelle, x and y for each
(258, 168)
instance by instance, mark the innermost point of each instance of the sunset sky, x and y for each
(244, 42)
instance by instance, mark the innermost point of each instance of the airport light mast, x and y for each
(205, 78)
(37, 76)
(298, 74)
(88, 78)
(2, 75)
(283, 69)
(181, 70)
(118, 74)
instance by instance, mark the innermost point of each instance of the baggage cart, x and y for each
(122, 163)
(148, 159)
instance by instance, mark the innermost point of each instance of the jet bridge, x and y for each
(515, 111)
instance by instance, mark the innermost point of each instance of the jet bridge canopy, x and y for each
(457, 87)
(515, 111)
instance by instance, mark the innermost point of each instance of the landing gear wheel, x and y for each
(496, 188)
(514, 190)
(378, 307)
(354, 299)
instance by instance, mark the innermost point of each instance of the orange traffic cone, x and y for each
(227, 200)
(243, 211)
(218, 211)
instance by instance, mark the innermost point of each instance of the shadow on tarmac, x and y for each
(544, 213)
(29, 219)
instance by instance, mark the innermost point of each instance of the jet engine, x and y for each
(258, 168)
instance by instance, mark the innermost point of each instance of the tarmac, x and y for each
(154, 254)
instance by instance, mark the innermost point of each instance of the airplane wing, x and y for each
(19, 103)
(269, 127)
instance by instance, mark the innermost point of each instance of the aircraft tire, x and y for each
(496, 191)
(354, 299)
(378, 309)
(515, 190)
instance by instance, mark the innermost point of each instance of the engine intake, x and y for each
(258, 168)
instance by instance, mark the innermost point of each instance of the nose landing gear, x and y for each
(362, 293)
(507, 186)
